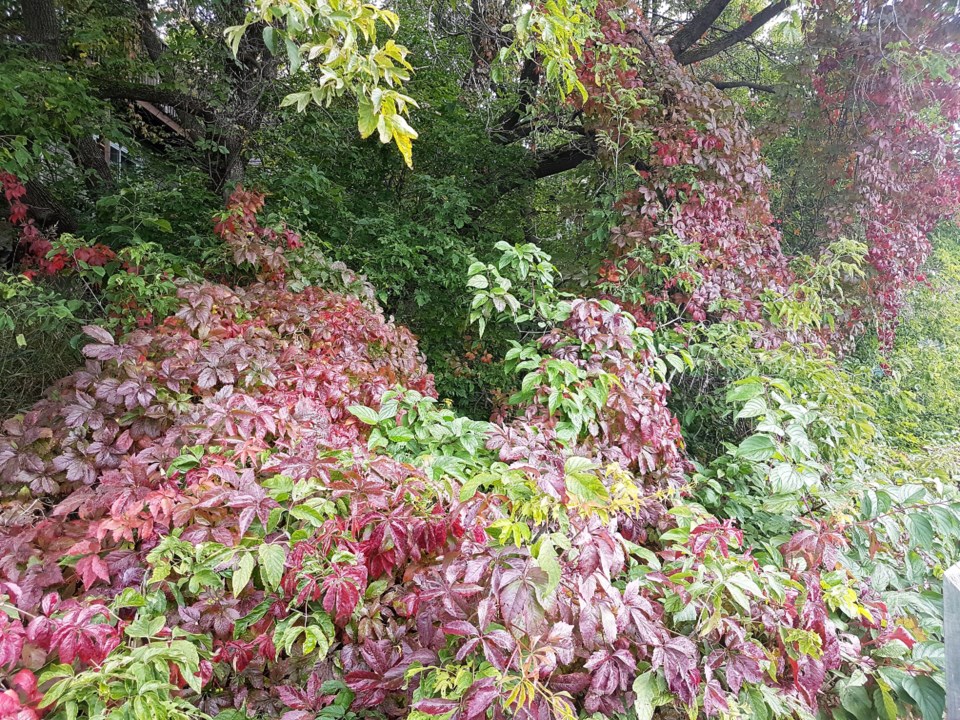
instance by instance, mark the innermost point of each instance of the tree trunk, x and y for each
(234, 168)
(47, 210)
(90, 156)
(42, 28)
(148, 35)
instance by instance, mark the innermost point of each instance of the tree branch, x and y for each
(688, 36)
(566, 157)
(148, 33)
(727, 85)
(119, 90)
(510, 122)
(696, 55)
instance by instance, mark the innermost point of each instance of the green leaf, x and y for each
(470, 487)
(376, 588)
(754, 408)
(366, 117)
(299, 99)
(651, 694)
(234, 35)
(270, 39)
(293, 55)
(927, 694)
(575, 463)
(785, 478)
(253, 617)
(586, 486)
(921, 530)
(308, 514)
(857, 701)
(547, 561)
(744, 391)
(882, 699)
(758, 447)
(745, 582)
(400, 434)
(272, 559)
(366, 415)
(130, 597)
(315, 639)
(145, 627)
(243, 573)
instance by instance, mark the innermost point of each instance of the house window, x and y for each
(119, 157)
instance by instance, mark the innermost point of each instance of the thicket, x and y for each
(691, 454)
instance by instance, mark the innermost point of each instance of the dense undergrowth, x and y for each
(257, 507)
(689, 470)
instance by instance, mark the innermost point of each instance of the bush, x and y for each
(258, 508)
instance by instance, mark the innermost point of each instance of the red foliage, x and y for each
(249, 241)
(37, 257)
(184, 429)
(261, 374)
(699, 134)
(886, 113)
(882, 129)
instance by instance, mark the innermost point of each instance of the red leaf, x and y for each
(90, 569)
(435, 706)
(678, 658)
(478, 698)
(460, 628)
(714, 699)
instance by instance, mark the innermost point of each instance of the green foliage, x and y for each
(554, 33)
(44, 108)
(806, 460)
(819, 295)
(526, 294)
(161, 207)
(41, 317)
(890, 514)
(816, 494)
(919, 389)
(411, 233)
(37, 323)
(338, 41)
(135, 680)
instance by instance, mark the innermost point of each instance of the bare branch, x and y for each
(729, 84)
(696, 55)
(688, 36)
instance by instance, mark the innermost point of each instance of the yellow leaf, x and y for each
(405, 145)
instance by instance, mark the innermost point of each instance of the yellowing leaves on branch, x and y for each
(336, 42)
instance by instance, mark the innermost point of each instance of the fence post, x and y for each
(951, 632)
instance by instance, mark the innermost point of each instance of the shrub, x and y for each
(258, 507)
